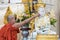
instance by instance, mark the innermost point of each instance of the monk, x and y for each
(9, 31)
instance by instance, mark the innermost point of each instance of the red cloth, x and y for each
(8, 32)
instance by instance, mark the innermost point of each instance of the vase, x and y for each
(25, 32)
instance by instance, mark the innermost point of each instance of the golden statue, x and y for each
(8, 12)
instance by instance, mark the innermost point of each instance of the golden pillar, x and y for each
(28, 9)
(27, 5)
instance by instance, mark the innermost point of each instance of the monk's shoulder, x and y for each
(8, 26)
(5, 27)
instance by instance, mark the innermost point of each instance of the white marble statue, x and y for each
(42, 23)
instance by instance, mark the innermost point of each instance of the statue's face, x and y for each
(41, 10)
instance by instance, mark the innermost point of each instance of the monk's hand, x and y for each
(38, 15)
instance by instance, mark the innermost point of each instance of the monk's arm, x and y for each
(25, 21)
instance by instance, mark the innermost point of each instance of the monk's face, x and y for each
(12, 21)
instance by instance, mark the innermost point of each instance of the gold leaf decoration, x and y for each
(41, 4)
(8, 12)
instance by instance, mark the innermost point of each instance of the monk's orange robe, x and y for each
(8, 32)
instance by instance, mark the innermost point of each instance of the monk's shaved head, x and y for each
(10, 17)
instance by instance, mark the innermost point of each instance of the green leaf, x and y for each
(53, 21)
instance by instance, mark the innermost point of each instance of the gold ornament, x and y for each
(8, 12)
(41, 4)
(27, 4)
